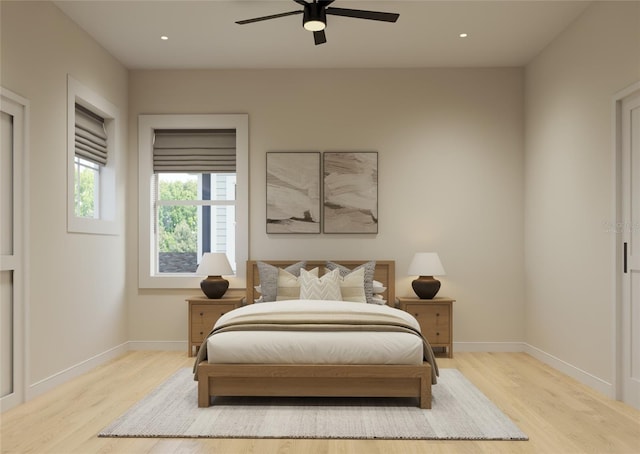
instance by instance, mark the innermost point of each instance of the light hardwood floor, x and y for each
(557, 413)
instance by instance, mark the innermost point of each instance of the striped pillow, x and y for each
(352, 287)
(326, 287)
(289, 285)
(369, 271)
(269, 278)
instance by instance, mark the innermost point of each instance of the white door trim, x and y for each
(18, 107)
(617, 238)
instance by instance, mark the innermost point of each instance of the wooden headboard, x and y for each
(385, 273)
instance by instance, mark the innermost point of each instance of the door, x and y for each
(630, 229)
(13, 112)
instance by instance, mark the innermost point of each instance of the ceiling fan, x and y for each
(314, 16)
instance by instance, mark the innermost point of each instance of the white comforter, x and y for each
(340, 333)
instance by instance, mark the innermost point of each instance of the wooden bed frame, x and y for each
(335, 380)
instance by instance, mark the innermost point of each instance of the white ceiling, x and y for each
(203, 34)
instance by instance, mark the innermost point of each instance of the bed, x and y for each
(313, 378)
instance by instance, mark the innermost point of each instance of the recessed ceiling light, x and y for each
(164, 37)
(463, 35)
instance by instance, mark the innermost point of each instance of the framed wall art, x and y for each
(350, 192)
(293, 192)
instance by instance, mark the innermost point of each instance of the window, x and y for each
(91, 154)
(194, 196)
(92, 161)
(194, 191)
(87, 188)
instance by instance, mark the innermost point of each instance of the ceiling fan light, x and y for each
(314, 25)
(314, 18)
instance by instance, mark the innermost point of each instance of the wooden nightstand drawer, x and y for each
(204, 313)
(435, 317)
(204, 317)
(434, 321)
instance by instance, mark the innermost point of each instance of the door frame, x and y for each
(21, 215)
(617, 240)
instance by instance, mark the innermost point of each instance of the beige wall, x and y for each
(450, 145)
(453, 158)
(569, 190)
(76, 283)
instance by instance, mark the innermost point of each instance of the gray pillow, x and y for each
(269, 278)
(369, 271)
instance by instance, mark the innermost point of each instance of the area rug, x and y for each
(459, 411)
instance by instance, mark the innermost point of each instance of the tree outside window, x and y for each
(87, 185)
(195, 214)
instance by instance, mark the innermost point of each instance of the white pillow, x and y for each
(378, 287)
(325, 288)
(352, 286)
(288, 287)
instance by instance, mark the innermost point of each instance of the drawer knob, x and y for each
(221, 313)
(415, 315)
(201, 314)
(437, 334)
(437, 314)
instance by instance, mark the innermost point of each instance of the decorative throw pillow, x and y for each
(369, 271)
(289, 285)
(352, 287)
(269, 278)
(326, 287)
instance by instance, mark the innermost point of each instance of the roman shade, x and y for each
(194, 150)
(90, 136)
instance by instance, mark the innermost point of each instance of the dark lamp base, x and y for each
(214, 287)
(426, 287)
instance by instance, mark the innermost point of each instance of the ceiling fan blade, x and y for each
(325, 2)
(362, 14)
(319, 37)
(273, 16)
(300, 2)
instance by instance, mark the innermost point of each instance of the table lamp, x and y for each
(214, 265)
(426, 265)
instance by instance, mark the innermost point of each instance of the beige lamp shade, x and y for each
(426, 264)
(214, 264)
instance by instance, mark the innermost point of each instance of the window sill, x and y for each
(180, 282)
(92, 226)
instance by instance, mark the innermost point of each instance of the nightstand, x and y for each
(203, 314)
(436, 320)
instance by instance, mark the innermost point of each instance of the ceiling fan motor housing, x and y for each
(314, 17)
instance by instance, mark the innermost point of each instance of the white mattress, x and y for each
(290, 347)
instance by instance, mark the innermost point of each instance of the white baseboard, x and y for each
(47, 384)
(174, 346)
(572, 371)
(488, 347)
(40, 387)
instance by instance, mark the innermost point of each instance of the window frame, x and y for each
(105, 223)
(147, 124)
